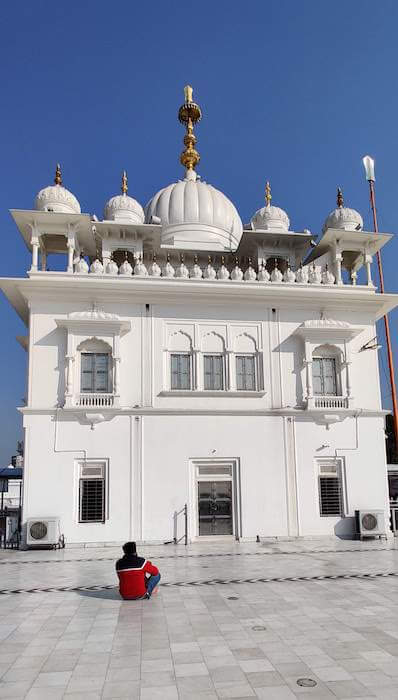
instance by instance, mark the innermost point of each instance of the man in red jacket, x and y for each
(137, 576)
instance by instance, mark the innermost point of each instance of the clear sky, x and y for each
(293, 92)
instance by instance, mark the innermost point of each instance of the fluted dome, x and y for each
(123, 208)
(342, 217)
(195, 215)
(57, 198)
(269, 218)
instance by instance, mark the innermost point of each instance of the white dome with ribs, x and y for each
(193, 214)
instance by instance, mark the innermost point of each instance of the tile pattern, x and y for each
(209, 633)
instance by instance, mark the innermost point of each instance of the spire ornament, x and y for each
(124, 182)
(340, 199)
(268, 195)
(189, 114)
(58, 175)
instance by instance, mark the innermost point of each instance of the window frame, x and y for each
(190, 372)
(93, 372)
(321, 359)
(339, 476)
(83, 478)
(223, 373)
(253, 357)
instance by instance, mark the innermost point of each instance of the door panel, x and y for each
(215, 507)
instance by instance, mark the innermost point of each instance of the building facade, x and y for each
(183, 358)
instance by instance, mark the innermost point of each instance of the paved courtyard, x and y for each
(230, 621)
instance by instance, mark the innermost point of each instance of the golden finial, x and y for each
(340, 200)
(189, 114)
(268, 196)
(124, 182)
(58, 175)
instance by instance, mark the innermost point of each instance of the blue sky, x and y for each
(292, 92)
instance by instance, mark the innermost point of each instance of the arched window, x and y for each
(246, 363)
(95, 367)
(326, 371)
(181, 370)
(213, 347)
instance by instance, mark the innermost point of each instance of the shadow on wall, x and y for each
(345, 529)
(57, 339)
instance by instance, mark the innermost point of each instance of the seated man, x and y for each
(137, 576)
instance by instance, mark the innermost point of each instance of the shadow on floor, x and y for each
(112, 594)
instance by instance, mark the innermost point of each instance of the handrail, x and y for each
(184, 536)
(394, 519)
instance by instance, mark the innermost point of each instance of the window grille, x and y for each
(92, 494)
(324, 376)
(330, 489)
(215, 471)
(213, 372)
(180, 371)
(245, 373)
(94, 372)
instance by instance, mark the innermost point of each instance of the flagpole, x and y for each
(370, 176)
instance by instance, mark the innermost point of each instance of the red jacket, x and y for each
(133, 572)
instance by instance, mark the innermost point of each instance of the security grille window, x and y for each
(245, 373)
(330, 489)
(94, 372)
(92, 494)
(180, 371)
(213, 372)
(324, 376)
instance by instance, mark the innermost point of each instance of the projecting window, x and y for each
(92, 493)
(245, 373)
(180, 371)
(94, 372)
(330, 488)
(324, 376)
(213, 372)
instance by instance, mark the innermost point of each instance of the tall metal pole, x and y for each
(371, 179)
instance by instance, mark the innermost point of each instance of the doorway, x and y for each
(217, 507)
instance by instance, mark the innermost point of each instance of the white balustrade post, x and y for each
(35, 252)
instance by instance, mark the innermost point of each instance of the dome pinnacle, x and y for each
(58, 175)
(340, 199)
(124, 182)
(189, 114)
(268, 195)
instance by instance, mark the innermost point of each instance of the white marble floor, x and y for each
(203, 642)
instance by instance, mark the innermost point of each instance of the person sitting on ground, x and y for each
(137, 576)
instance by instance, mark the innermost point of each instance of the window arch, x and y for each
(95, 366)
(326, 371)
(214, 366)
(181, 365)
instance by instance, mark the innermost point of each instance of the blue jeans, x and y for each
(151, 583)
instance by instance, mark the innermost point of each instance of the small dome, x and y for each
(122, 208)
(57, 198)
(342, 217)
(194, 214)
(270, 218)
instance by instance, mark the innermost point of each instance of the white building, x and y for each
(184, 358)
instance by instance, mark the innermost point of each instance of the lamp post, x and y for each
(369, 166)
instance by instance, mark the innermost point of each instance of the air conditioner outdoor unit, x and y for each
(43, 532)
(370, 523)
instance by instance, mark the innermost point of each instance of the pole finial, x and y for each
(340, 198)
(58, 175)
(268, 195)
(124, 182)
(189, 114)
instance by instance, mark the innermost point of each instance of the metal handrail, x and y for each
(184, 536)
(394, 519)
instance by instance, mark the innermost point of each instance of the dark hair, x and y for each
(130, 548)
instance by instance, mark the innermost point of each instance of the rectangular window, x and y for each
(180, 371)
(94, 372)
(324, 376)
(245, 373)
(330, 488)
(213, 372)
(92, 493)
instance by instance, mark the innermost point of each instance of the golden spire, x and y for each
(340, 200)
(189, 114)
(268, 196)
(124, 182)
(58, 175)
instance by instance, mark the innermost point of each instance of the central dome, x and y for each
(194, 215)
